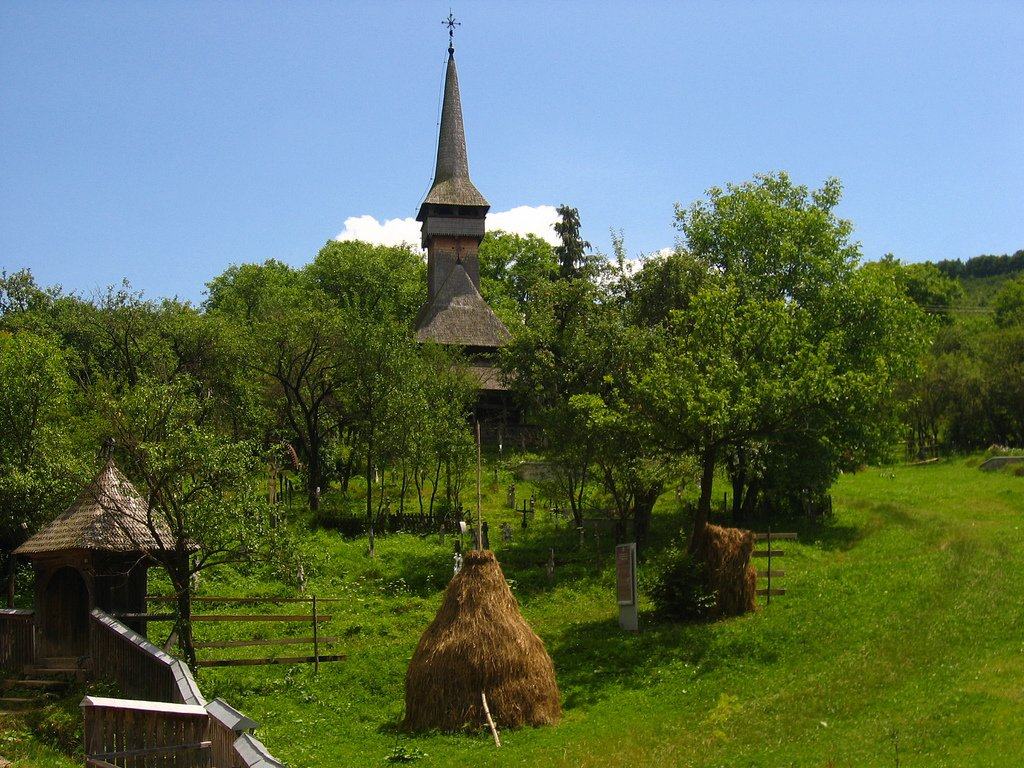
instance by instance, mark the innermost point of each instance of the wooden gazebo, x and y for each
(94, 555)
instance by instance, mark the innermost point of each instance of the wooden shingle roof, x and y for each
(458, 315)
(108, 516)
(452, 185)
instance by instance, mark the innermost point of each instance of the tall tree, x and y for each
(288, 332)
(572, 252)
(202, 507)
(784, 337)
(44, 442)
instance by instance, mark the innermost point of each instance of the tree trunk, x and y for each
(405, 486)
(183, 623)
(314, 476)
(644, 503)
(433, 488)
(369, 491)
(703, 512)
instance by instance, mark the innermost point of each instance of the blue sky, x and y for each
(162, 142)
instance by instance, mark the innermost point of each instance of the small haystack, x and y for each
(726, 553)
(479, 642)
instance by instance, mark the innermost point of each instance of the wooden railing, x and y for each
(17, 639)
(137, 734)
(155, 732)
(139, 668)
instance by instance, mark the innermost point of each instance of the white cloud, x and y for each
(390, 232)
(527, 220)
(522, 220)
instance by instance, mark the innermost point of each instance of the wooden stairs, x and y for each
(39, 683)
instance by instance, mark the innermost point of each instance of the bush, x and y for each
(677, 585)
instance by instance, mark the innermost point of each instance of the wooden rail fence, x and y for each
(17, 639)
(314, 618)
(769, 552)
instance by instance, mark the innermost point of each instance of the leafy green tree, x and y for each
(558, 354)
(203, 507)
(513, 270)
(382, 281)
(44, 443)
(571, 253)
(784, 336)
(1009, 304)
(289, 334)
(375, 357)
(926, 285)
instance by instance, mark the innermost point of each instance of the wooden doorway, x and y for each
(65, 614)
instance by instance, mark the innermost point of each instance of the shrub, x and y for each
(677, 585)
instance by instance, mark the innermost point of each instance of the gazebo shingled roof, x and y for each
(458, 314)
(108, 516)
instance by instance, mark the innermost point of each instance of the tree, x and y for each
(380, 281)
(1009, 303)
(571, 253)
(783, 337)
(288, 332)
(203, 508)
(560, 352)
(925, 284)
(513, 271)
(43, 442)
(377, 355)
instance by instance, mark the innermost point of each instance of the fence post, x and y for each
(316, 641)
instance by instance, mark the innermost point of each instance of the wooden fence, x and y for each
(173, 725)
(315, 641)
(140, 669)
(137, 734)
(17, 639)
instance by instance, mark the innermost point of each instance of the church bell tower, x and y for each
(452, 218)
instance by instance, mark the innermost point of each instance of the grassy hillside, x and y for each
(903, 629)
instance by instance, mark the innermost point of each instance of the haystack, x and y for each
(726, 554)
(479, 642)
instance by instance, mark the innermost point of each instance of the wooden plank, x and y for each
(199, 745)
(263, 662)
(266, 641)
(775, 536)
(764, 553)
(224, 617)
(773, 591)
(760, 575)
(246, 600)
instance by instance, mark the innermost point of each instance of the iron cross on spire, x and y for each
(451, 23)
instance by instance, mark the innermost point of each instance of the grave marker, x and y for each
(625, 586)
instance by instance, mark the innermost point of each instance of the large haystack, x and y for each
(480, 643)
(726, 554)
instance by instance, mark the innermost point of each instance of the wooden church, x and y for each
(453, 224)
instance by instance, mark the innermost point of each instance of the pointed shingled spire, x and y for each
(452, 185)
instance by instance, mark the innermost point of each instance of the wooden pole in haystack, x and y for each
(479, 521)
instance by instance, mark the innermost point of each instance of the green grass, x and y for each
(903, 627)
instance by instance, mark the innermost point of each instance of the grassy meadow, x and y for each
(900, 641)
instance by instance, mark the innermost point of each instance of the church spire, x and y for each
(452, 185)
